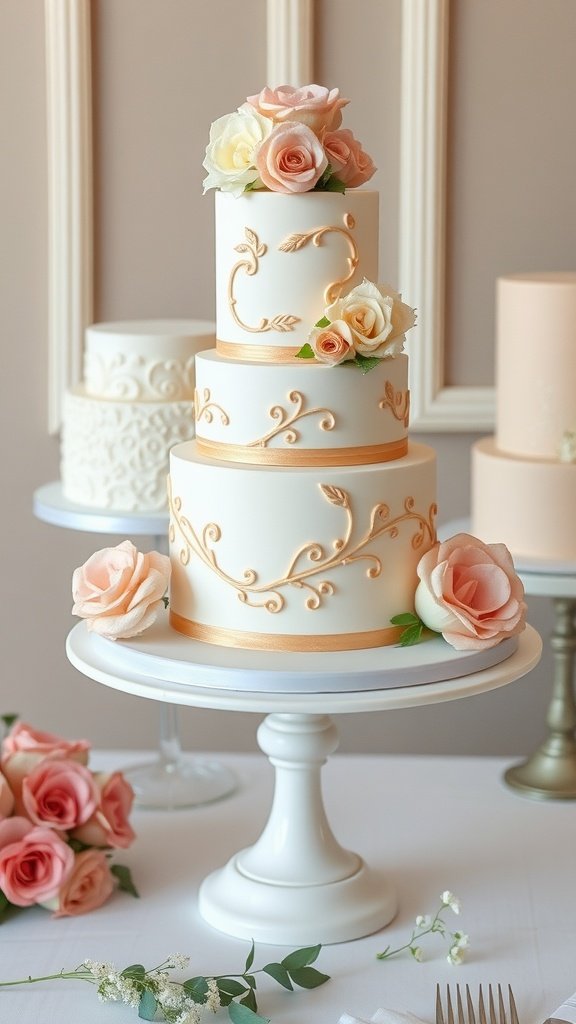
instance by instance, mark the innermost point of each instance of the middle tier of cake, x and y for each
(297, 558)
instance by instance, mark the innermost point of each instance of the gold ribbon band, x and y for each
(360, 456)
(259, 353)
(284, 641)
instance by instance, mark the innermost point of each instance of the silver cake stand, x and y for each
(296, 884)
(173, 779)
(550, 772)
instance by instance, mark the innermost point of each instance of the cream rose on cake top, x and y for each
(286, 140)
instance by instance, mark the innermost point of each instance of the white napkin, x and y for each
(382, 1017)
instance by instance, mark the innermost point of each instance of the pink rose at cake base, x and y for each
(59, 825)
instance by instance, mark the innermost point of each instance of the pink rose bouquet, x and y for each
(469, 592)
(59, 822)
(120, 590)
(286, 140)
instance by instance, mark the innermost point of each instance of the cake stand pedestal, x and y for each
(174, 779)
(296, 884)
(550, 772)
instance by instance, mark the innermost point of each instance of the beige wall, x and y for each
(162, 73)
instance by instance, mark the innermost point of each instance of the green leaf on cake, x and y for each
(323, 322)
(334, 185)
(412, 635)
(306, 352)
(365, 363)
(405, 619)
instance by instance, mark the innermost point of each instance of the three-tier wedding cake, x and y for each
(301, 510)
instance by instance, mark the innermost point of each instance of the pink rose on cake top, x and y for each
(286, 140)
(469, 592)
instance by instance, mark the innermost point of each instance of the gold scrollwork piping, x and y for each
(206, 411)
(298, 240)
(300, 572)
(285, 421)
(254, 250)
(397, 401)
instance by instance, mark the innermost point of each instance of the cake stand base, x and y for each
(190, 782)
(547, 775)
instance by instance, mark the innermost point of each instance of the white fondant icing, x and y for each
(293, 529)
(239, 403)
(114, 455)
(274, 297)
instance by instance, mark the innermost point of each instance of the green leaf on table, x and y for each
(308, 977)
(124, 876)
(250, 980)
(405, 619)
(249, 958)
(5, 906)
(148, 1005)
(231, 987)
(280, 974)
(135, 972)
(244, 1015)
(323, 322)
(301, 957)
(8, 720)
(306, 352)
(249, 1000)
(196, 988)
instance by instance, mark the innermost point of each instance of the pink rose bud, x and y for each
(333, 344)
(291, 159)
(23, 737)
(312, 105)
(350, 164)
(34, 862)
(89, 885)
(59, 793)
(119, 590)
(109, 825)
(469, 591)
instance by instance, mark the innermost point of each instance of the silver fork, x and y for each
(496, 1013)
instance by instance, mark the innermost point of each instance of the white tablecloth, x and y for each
(431, 823)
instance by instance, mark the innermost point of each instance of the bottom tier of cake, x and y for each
(297, 559)
(527, 504)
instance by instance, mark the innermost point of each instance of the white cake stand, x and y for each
(173, 779)
(550, 772)
(296, 884)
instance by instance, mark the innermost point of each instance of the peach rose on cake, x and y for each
(109, 825)
(89, 885)
(291, 159)
(119, 590)
(25, 738)
(34, 862)
(59, 793)
(312, 105)
(376, 316)
(469, 591)
(332, 344)
(348, 161)
(231, 151)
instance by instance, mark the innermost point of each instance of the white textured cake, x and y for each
(134, 404)
(524, 478)
(300, 512)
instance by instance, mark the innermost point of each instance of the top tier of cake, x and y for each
(536, 363)
(281, 259)
(148, 361)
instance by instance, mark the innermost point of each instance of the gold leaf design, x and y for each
(206, 411)
(297, 241)
(398, 402)
(285, 420)
(311, 558)
(283, 323)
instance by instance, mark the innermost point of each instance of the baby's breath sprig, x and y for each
(183, 1002)
(426, 924)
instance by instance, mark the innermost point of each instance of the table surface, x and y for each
(431, 823)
